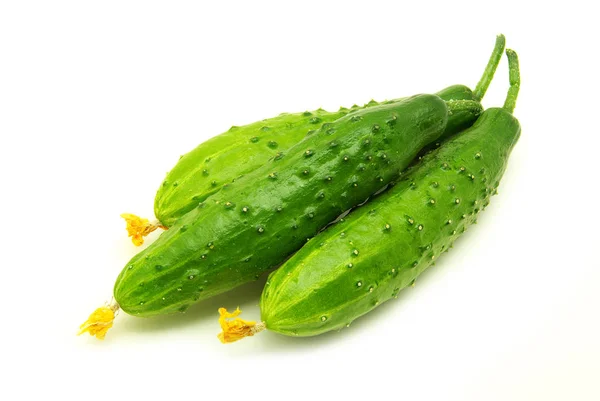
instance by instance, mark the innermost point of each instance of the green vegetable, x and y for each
(254, 223)
(218, 162)
(224, 158)
(383, 246)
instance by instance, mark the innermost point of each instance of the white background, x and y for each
(99, 99)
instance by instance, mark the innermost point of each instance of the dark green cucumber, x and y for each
(217, 162)
(257, 221)
(383, 246)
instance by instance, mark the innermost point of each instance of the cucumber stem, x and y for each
(490, 69)
(515, 80)
(464, 105)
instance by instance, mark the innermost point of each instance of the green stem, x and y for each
(472, 106)
(490, 69)
(515, 80)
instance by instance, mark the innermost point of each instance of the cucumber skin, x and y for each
(224, 158)
(315, 291)
(219, 245)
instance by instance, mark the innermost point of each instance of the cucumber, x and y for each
(218, 162)
(383, 246)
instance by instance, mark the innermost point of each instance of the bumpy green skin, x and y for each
(260, 219)
(380, 248)
(221, 160)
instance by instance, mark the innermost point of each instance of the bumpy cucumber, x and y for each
(217, 162)
(214, 164)
(381, 247)
(257, 221)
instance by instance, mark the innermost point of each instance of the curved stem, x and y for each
(515, 80)
(490, 69)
